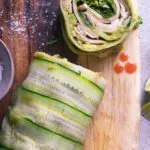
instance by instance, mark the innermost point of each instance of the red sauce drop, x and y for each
(124, 56)
(119, 68)
(130, 67)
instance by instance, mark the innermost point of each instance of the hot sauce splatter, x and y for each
(130, 67)
(124, 56)
(119, 67)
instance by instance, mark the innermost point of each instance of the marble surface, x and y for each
(145, 135)
(144, 7)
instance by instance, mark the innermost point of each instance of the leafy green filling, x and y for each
(138, 22)
(51, 42)
(107, 8)
(85, 19)
(2, 147)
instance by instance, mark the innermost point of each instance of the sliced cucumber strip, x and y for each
(95, 77)
(2, 147)
(62, 108)
(43, 136)
(56, 90)
(10, 138)
(53, 80)
(25, 135)
(52, 115)
(69, 78)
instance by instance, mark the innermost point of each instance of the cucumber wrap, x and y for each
(53, 107)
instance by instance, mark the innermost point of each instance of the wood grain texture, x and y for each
(26, 27)
(116, 123)
(18, 45)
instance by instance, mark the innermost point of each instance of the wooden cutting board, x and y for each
(28, 25)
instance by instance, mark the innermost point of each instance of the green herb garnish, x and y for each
(52, 42)
(107, 8)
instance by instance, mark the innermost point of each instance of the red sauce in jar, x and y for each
(130, 67)
(118, 68)
(124, 56)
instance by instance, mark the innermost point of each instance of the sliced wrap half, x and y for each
(97, 27)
